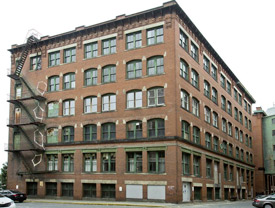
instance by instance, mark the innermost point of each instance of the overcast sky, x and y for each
(241, 31)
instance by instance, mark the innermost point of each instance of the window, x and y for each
(245, 105)
(90, 50)
(134, 99)
(185, 163)
(208, 168)
(68, 107)
(195, 78)
(196, 135)
(194, 51)
(196, 165)
(208, 143)
(195, 106)
(240, 99)
(237, 152)
(52, 135)
(156, 162)
(89, 190)
(206, 64)
(184, 69)
(90, 162)
(133, 40)
(241, 117)
(214, 72)
(155, 65)
(273, 132)
(215, 119)
(273, 121)
(216, 144)
(183, 40)
(246, 140)
(52, 162)
(184, 100)
(134, 130)
(228, 87)
(197, 193)
(69, 55)
(214, 95)
(247, 157)
(231, 173)
(223, 102)
(245, 122)
(249, 125)
(32, 188)
(90, 132)
(108, 162)
(235, 94)
(109, 74)
(134, 69)
(236, 133)
(108, 46)
(229, 108)
(134, 162)
(249, 109)
(90, 104)
(229, 129)
(108, 131)
(53, 84)
(225, 170)
(222, 79)
(35, 63)
(51, 189)
(53, 109)
(156, 96)
(242, 155)
(224, 147)
(241, 136)
(224, 125)
(206, 89)
(108, 102)
(68, 134)
(185, 130)
(69, 81)
(108, 190)
(68, 162)
(236, 116)
(155, 35)
(207, 114)
(54, 58)
(230, 150)
(90, 77)
(156, 128)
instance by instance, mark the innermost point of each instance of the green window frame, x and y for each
(68, 107)
(68, 162)
(89, 190)
(224, 125)
(236, 133)
(195, 107)
(206, 64)
(229, 129)
(207, 114)
(224, 147)
(235, 94)
(67, 189)
(214, 72)
(250, 142)
(196, 135)
(54, 58)
(206, 89)
(216, 144)
(236, 114)
(208, 168)
(156, 162)
(230, 150)
(70, 55)
(237, 153)
(184, 100)
(156, 128)
(155, 35)
(241, 136)
(134, 162)
(133, 40)
(195, 78)
(52, 162)
(246, 140)
(225, 172)
(184, 42)
(68, 134)
(134, 69)
(53, 109)
(245, 122)
(108, 191)
(134, 129)
(134, 99)
(90, 50)
(109, 74)
(51, 189)
(52, 135)
(228, 87)
(215, 119)
(108, 161)
(240, 98)
(90, 77)
(90, 104)
(208, 141)
(184, 69)
(186, 163)
(90, 132)
(32, 188)
(196, 165)
(231, 173)
(69, 81)
(108, 131)
(194, 52)
(16, 140)
(53, 84)
(223, 101)
(241, 117)
(185, 128)
(109, 46)
(229, 108)
(155, 66)
(222, 81)
(155, 96)
(197, 193)
(214, 95)
(35, 63)
(90, 162)
(108, 102)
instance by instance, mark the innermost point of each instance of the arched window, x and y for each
(90, 132)
(195, 78)
(184, 100)
(184, 69)
(53, 109)
(155, 65)
(185, 130)
(215, 119)
(53, 83)
(207, 114)
(155, 96)
(109, 74)
(90, 104)
(156, 128)
(134, 69)
(68, 107)
(196, 135)
(134, 99)
(69, 81)
(206, 89)
(195, 107)
(52, 135)
(108, 131)
(108, 102)
(68, 134)
(208, 140)
(90, 77)
(134, 129)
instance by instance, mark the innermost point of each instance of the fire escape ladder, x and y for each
(24, 55)
(27, 111)
(28, 168)
(28, 86)
(27, 137)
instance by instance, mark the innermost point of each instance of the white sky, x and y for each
(241, 31)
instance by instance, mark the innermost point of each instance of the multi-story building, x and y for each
(264, 123)
(139, 107)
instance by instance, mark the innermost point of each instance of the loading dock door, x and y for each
(156, 192)
(134, 192)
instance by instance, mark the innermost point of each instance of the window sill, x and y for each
(68, 89)
(68, 115)
(156, 106)
(109, 111)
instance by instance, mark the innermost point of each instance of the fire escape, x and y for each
(26, 124)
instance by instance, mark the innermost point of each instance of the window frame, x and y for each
(110, 47)
(92, 80)
(71, 57)
(54, 61)
(156, 130)
(92, 104)
(108, 106)
(157, 67)
(155, 36)
(55, 85)
(89, 132)
(69, 84)
(93, 51)
(35, 63)
(157, 98)
(135, 131)
(108, 74)
(110, 131)
(158, 160)
(136, 162)
(136, 70)
(135, 40)
(69, 134)
(136, 102)
(71, 107)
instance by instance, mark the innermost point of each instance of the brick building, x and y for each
(139, 107)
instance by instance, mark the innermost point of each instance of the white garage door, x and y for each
(156, 192)
(134, 192)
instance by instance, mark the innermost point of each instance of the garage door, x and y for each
(134, 192)
(156, 192)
